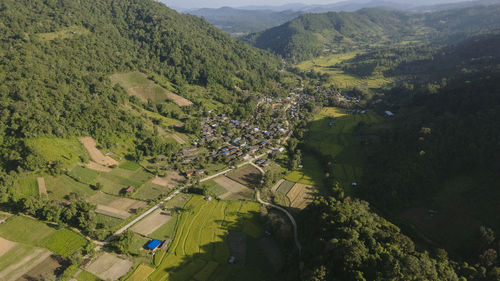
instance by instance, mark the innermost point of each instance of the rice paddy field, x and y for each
(200, 249)
(338, 77)
(332, 135)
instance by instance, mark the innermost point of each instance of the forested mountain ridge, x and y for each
(312, 35)
(56, 57)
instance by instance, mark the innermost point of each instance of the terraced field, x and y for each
(200, 249)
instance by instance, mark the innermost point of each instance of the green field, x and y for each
(20, 254)
(339, 143)
(59, 187)
(214, 188)
(32, 232)
(130, 165)
(107, 222)
(285, 187)
(27, 186)
(84, 174)
(151, 191)
(69, 151)
(87, 276)
(64, 242)
(200, 249)
(141, 273)
(338, 77)
(114, 181)
(311, 174)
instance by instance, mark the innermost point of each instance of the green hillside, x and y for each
(313, 35)
(56, 57)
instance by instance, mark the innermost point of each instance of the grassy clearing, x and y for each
(151, 191)
(84, 174)
(130, 165)
(59, 187)
(64, 242)
(338, 77)
(311, 174)
(200, 249)
(139, 85)
(107, 222)
(340, 143)
(214, 188)
(64, 33)
(114, 181)
(25, 230)
(27, 186)
(137, 244)
(32, 232)
(87, 276)
(68, 151)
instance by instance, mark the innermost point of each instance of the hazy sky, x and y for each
(237, 3)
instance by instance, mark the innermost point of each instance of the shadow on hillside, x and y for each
(236, 250)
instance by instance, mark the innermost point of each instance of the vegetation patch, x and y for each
(27, 185)
(84, 174)
(64, 242)
(65, 33)
(67, 151)
(200, 249)
(60, 187)
(141, 273)
(138, 84)
(247, 175)
(118, 179)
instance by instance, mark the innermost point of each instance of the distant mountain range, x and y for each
(250, 19)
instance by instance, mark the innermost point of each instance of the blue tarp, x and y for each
(153, 244)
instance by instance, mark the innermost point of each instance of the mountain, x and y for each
(56, 57)
(312, 35)
(239, 21)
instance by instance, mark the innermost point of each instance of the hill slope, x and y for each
(56, 57)
(312, 35)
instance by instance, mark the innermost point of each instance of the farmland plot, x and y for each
(96, 155)
(152, 222)
(247, 175)
(109, 267)
(236, 191)
(201, 246)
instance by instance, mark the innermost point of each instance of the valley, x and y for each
(142, 144)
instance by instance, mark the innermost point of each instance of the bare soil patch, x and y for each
(235, 190)
(29, 262)
(127, 204)
(112, 212)
(152, 222)
(51, 266)
(301, 195)
(248, 176)
(173, 179)
(5, 246)
(42, 189)
(109, 267)
(96, 155)
(97, 167)
(116, 207)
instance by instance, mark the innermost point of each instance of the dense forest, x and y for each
(312, 35)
